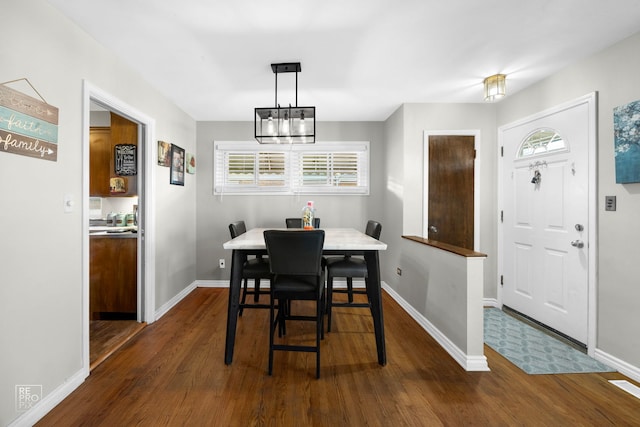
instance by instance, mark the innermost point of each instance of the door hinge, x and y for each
(501, 216)
(475, 154)
(502, 151)
(501, 280)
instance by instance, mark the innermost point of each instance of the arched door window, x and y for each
(542, 141)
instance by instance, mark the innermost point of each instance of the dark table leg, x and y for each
(234, 302)
(374, 292)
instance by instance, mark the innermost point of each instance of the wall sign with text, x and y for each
(125, 159)
(28, 126)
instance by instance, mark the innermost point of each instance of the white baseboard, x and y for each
(212, 283)
(469, 363)
(175, 300)
(490, 302)
(621, 366)
(49, 402)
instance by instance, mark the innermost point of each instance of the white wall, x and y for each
(613, 73)
(41, 267)
(215, 213)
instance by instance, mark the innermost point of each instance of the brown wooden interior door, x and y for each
(450, 204)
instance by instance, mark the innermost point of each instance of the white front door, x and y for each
(546, 219)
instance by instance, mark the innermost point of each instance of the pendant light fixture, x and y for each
(495, 87)
(285, 125)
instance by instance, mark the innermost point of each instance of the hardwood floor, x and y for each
(173, 373)
(107, 336)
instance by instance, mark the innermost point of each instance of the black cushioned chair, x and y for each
(297, 222)
(253, 268)
(349, 267)
(298, 274)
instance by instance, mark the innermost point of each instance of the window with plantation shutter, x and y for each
(341, 168)
(324, 168)
(241, 168)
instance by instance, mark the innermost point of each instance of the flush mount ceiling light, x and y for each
(287, 125)
(495, 87)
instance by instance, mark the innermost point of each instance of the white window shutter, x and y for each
(322, 168)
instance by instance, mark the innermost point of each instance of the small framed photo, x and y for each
(117, 184)
(191, 163)
(177, 165)
(164, 153)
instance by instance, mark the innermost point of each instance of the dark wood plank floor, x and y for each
(173, 374)
(107, 336)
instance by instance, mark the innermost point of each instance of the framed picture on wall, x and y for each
(164, 152)
(191, 163)
(626, 122)
(177, 165)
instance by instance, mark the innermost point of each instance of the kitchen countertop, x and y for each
(113, 232)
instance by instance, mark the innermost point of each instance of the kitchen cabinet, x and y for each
(99, 161)
(102, 142)
(113, 277)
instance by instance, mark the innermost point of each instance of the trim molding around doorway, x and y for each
(591, 100)
(146, 244)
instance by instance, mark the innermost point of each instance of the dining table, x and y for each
(337, 241)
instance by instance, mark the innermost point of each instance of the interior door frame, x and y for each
(476, 180)
(146, 239)
(591, 101)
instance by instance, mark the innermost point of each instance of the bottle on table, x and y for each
(307, 216)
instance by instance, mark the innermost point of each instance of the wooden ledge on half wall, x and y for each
(468, 253)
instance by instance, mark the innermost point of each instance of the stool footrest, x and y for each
(350, 304)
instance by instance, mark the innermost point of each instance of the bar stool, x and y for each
(298, 274)
(297, 222)
(349, 267)
(253, 268)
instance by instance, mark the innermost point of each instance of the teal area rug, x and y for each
(532, 350)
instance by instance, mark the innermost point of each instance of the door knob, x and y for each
(577, 244)
(433, 229)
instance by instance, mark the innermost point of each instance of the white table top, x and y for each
(334, 239)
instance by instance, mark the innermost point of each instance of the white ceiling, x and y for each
(361, 59)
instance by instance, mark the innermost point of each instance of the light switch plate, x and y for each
(609, 203)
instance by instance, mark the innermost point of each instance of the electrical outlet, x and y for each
(221, 262)
(399, 271)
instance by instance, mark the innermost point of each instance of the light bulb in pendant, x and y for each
(270, 124)
(285, 124)
(302, 126)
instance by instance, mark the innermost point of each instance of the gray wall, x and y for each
(41, 270)
(214, 213)
(404, 191)
(403, 213)
(613, 73)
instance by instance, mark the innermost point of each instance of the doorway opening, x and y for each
(119, 322)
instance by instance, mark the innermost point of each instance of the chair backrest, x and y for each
(237, 228)
(295, 252)
(297, 222)
(374, 228)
